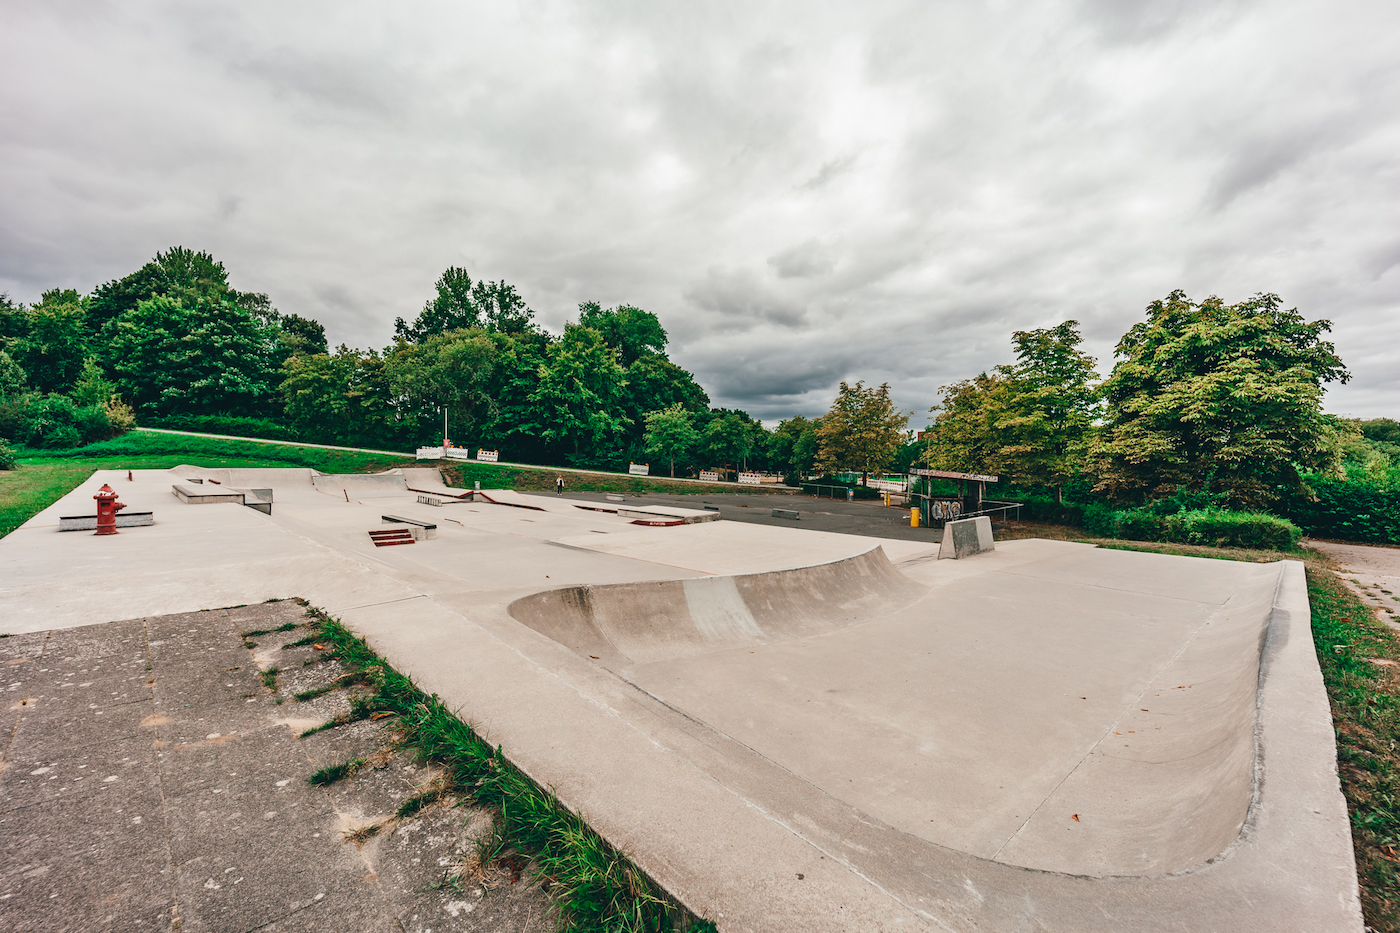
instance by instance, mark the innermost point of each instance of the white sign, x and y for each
(490, 456)
(751, 479)
(709, 476)
(429, 453)
(457, 453)
(641, 469)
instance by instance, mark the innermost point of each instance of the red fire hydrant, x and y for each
(107, 508)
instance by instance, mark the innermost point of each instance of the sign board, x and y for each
(751, 479)
(709, 476)
(490, 456)
(641, 469)
(949, 474)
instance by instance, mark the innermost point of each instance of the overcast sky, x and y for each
(802, 192)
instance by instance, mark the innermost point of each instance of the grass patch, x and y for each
(332, 773)
(302, 643)
(595, 886)
(269, 678)
(363, 834)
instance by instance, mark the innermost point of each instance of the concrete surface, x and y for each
(150, 780)
(1047, 736)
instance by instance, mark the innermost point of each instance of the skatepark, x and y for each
(795, 729)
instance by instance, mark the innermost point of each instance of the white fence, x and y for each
(640, 469)
(489, 456)
(751, 479)
(709, 476)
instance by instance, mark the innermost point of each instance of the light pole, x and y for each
(445, 442)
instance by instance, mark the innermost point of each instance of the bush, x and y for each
(1213, 527)
(1220, 528)
(1349, 510)
(53, 422)
(8, 457)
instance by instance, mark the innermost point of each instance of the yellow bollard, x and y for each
(913, 518)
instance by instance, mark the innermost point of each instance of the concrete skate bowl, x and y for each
(1038, 719)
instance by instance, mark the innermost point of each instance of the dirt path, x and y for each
(1372, 572)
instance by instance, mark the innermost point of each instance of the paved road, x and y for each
(151, 781)
(870, 518)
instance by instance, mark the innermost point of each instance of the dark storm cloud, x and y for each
(803, 193)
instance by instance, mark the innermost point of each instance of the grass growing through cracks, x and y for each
(595, 887)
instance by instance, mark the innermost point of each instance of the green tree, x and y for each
(12, 377)
(341, 398)
(731, 438)
(670, 433)
(179, 273)
(92, 387)
(965, 435)
(581, 390)
(461, 303)
(168, 358)
(653, 384)
(793, 446)
(302, 335)
(631, 332)
(55, 344)
(1220, 397)
(862, 431)
(14, 322)
(449, 370)
(1052, 401)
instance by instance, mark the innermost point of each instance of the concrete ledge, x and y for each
(966, 537)
(421, 529)
(89, 522)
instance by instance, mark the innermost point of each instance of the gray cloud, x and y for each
(803, 193)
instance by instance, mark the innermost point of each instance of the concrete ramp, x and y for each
(426, 480)
(362, 485)
(629, 623)
(269, 478)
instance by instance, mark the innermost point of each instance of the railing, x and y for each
(990, 507)
(827, 492)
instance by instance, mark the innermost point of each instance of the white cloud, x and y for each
(803, 193)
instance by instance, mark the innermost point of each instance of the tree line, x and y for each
(1208, 398)
(174, 344)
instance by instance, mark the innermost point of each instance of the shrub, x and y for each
(1098, 520)
(1140, 525)
(8, 458)
(1350, 510)
(1221, 528)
